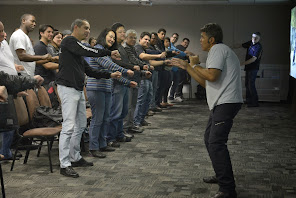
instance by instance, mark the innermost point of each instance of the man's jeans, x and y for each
(175, 79)
(74, 123)
(119, 110)
(154, 87)
(132, 102)
(144, 98)
(100, 103)
(6, 141)
(182, 79)
(216, 137)
(251, 92)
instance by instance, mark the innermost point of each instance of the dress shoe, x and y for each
(136, 129)
(145, 123)
(69, 172)
(97, 154)
(114, 144)
(82, 163)
(220, 194)
(210, 180)
(124, 139)
(107, 149)
(126, 134)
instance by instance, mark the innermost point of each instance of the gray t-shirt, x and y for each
(227, 88)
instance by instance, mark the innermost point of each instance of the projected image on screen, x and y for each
(293, 43)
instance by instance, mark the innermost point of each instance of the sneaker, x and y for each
(136, 129)
(145, 123)
(150, 113)
(98, 154)
(124, 139)
(82, 163)
(126, 134)
(107, 149)
(113, 144)
(178, 99)
(69, 172)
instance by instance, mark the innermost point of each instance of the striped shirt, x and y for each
(104, 64)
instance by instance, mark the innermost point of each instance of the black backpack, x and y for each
(47, 117)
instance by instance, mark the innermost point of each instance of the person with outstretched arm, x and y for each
(70, 83)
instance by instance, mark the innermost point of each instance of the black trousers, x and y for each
(216, 137)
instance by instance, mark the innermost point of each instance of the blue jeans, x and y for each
(144, 98)
(175, 79)
(119, 110)
(6, 138)
(100, 103)
(155, 87)
(74, 123)
(216, 137)
(251, 92)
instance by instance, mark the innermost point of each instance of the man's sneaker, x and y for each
(97, 154)
(178, 99)
(145, 123)
(69, 172)
(114, 144)
(126, 134)
(150, 113)
(82, 163)
(124, 139)
(136, 129)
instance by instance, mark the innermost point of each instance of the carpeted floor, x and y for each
(169, 160)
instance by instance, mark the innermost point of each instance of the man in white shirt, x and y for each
(7, 65)
(22, 49)
(222, 81)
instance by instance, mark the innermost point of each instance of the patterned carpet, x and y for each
(169, 160)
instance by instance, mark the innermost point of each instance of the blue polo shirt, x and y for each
(253, 50)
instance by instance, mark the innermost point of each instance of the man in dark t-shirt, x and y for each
(252, 63)
(45, 68)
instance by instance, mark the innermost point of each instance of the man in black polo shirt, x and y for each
(45, 68)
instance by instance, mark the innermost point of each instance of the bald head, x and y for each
(28, 23)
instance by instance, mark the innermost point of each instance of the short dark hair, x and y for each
(116, 25)
(78, 22)
(43, 28)
(161, 30)
(102, 39)
(25, 16)
(167, 38)
(145, 34)
(175, 34)
(154, 33)
(186, 39)
(213, 30)
(56, 33)
(90, 39)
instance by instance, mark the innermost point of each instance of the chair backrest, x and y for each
(32, 102)
(21, 111)
(43, 97)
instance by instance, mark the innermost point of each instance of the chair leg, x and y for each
(39, 149)
(27, 155)
(49, 156)
(2, 182)
(16, 150)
